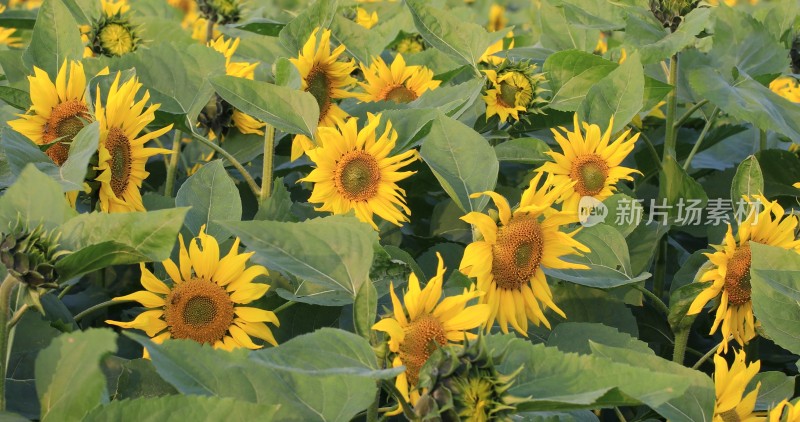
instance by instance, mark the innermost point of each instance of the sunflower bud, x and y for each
(30, 255)
(513, 89)
(671, 12)
(220, 11)
(217, 116)
(113, 36)
(461, 383)
(409, 44)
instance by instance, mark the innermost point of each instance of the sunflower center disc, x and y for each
(508, 94)
(119, 147)
(423, 337)
(518, 252)
(737, 278)
(400, 94)
(591, 172)
(730, 416)
(320, 87)
(198, 310)
(357, 176)
(116, 39)
(64, 123)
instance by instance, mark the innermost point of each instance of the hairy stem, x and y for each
(670, 137)
(172, 167)
(219, 150)
(98, 307)
(681, 339)
(6, 288)
(657, 302)
(700, 138)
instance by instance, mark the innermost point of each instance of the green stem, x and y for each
(6, 288)
(650, 146)
(17, 316)
(660, 270)
(689, 113)
(209, 31)
(657, 302)
(284, 306)
(98, 307)
(710, 353)
(173, 163)
(670, 137)
(408, 412)
(266, 175)
(700, 138)
(681, 339)
(619, 414)
(247, 178)
(762, 140)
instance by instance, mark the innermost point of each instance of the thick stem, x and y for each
(266, 174)
(657, 302)
(209, 31)
(284, 306)
(17, 316)
(762, 140)
(670, 137)
(245, 175)
(689, 113)
(172, 168)
(660, 270)
(710, 353)
(681, 339)
(619, 414)
(98, 307)
(5, 303)
(700, 138)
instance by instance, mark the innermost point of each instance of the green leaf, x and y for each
(286, 74)
(775, 279)
(365, 309)
(619, 95)
(558, 33)
(332, 252)
(677, 186)
(194, 408)
(679, 302)
(278, 207)
(68, 376)
(609, 261)
(412, 125)
(362, 43)
(746, 99)
(462, 161)
(593, 14)
(320, 14)
(576, 337)
(571, 74)
(100, 240)
(20, 19)
(748, 180)
(212, 196)
(35, 198)
(655, 43)
(16, 98)
(624, 213)
(287, 109)
(135, 379)
(775, 387)
(523, 150)
(55, 38)
(266, 27)
(741, 41)
(464, 41)
(781, 169)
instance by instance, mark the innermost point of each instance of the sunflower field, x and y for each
(425, 210)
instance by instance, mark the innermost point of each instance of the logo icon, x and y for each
(591, 211)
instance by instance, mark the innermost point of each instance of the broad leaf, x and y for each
(677, 187)
(775, 278)
(748, 180)
(523, 150)
(320, 14)
(571, 73)
(55, 38)
(187, 408)
(212, 196)
(619, 95)
(36, 199)
(741, 41)
(464, 41)
(655, 43)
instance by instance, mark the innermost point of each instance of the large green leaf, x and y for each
(464, 41)
(593, 14)
(571, 73)
(68, 376)
(287, 109)
(55, 38)
(332, 252)
(365, 309)
(747, 100)
(362, 43)
(748, 180)
(21, 19)
(212, 196)
(619, 95)
(462, 161)
(781, 169)
(741, 41)
(34, 198)
(609, 261)
(278, 206)
(187, 408)
(320, 14)
(557, 33)
(655, 43)
(775, 387)
(14, 97)
(523, 150)
(677, 187)
(100, 239)
(327, 375)
(576, 337)
(133, 379)
(775, 279)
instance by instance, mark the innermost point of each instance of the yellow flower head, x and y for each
(246, 124)
(591, 161)
(6, 34)
(115, 7)
(366, 19)
(787, 87)
(785, 412)
(508, 261)
(730, 384)
(489, 57)
(122, 155)
(513, 90)
(324, 77)
(355, 171)
(58, 111)
(728, 277)
(602, 44)
(497, 18)
(425, 323)
(204, 298)
(398, 83)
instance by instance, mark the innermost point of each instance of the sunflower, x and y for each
(590, 161)
(366, 19)
(497, 18)
(324, 77)
(400, 83)
(122, 155)
(243, 122)
(58, 111)
(513, 90)
(203, 302)
(409, 44)
(112, 34)
(25, 4)
(789, 411)
(497, 21)
(425, 324)
(728, 277)
(787, 87)
(508, 261)
(731, 403)
(6, 34)
(602, 44)
(354, 171)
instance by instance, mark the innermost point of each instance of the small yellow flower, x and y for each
(731, 403)
(398, 83)
(366, 19)
(787, 87)
(785, 412)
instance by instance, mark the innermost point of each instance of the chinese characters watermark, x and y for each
(686, 212)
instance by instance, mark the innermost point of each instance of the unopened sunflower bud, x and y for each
(220, 11)
(30, 255)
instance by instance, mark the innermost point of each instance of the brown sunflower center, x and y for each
(737, 277)
(119, 147)
(357, 176)
(508, 94)
(319, 85)
(66, 120)
(198, 310)
(590, 172)
(518, 252)
(400, 94)
(730, 416)
(423, 337)
(116, 39)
